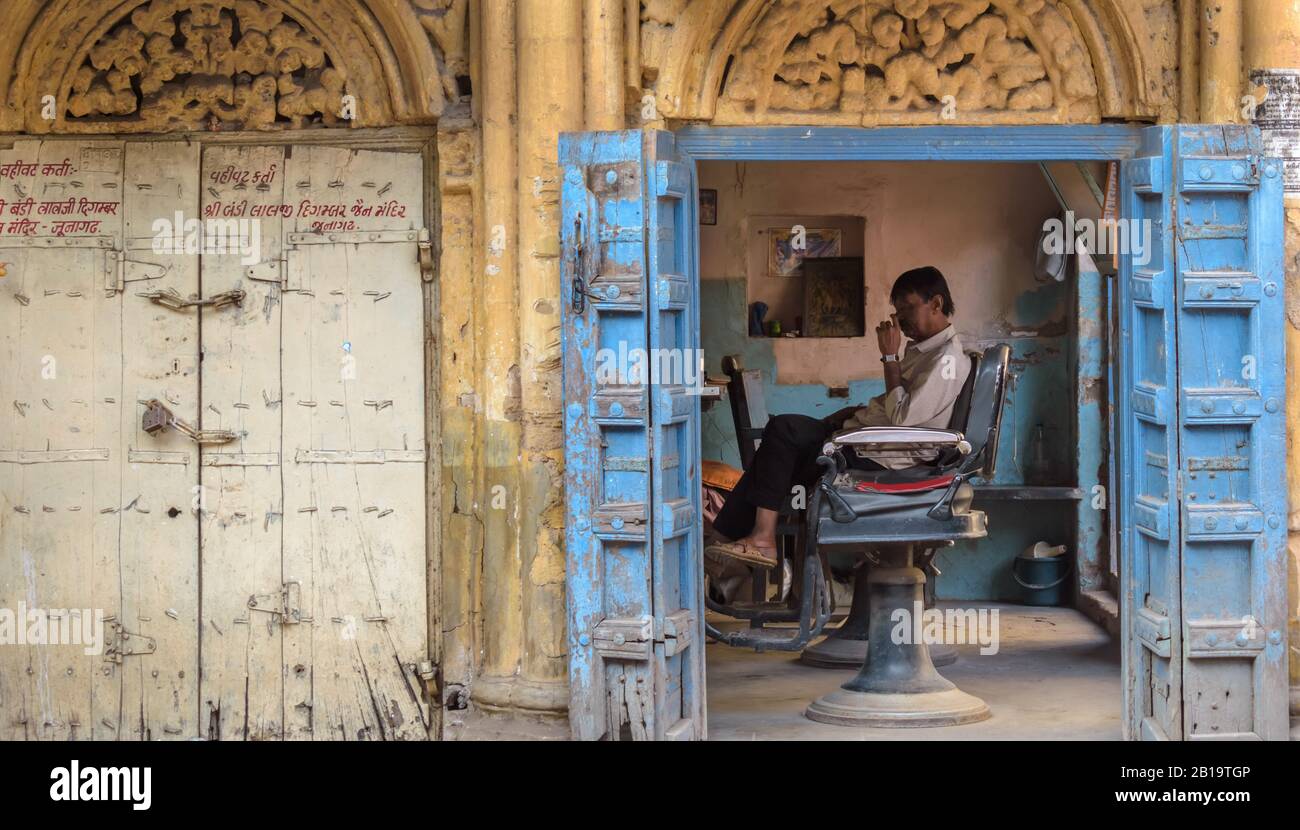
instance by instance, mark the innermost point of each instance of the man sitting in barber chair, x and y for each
(920, 391)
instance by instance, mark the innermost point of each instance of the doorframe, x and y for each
(422, 140)
(1019, 144)
(1085, 142)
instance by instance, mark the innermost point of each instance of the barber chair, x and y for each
(846, 646)
(900, 518)
(810, 601)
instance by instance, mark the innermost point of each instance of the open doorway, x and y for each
(791, 318)
(1197, 486)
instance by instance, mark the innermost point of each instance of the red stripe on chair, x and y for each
(904, 486)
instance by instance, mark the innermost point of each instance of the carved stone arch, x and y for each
(125, 66)
(893, 61)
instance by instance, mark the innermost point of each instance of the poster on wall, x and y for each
(789, 247)
(708, 207)
(1277, 114)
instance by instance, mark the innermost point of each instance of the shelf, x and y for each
(1020, 492)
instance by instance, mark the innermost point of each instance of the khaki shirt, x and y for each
(934, 371)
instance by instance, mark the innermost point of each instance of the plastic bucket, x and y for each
(1041, 579)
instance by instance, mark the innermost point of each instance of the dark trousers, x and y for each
(787, 457)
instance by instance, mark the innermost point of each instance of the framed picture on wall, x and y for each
(785, 254)
(708, 207)
(834, 297)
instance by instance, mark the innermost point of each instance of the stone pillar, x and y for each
(1189, 60)
(603, 58)
(497, 399)
(550, 101)
(1221, 75)
(453, 572)
(1272, 41)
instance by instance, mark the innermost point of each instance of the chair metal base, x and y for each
(897, 686)
(948, 708)
(846, 647)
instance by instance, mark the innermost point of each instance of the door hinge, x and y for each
(122, 643)
(285, 603)
(425, 248)
(430, 675)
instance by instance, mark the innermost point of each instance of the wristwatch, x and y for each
(889, 358)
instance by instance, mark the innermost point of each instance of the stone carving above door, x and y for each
(873, 62)
(909, 60)
(123, 66)
(196, 65)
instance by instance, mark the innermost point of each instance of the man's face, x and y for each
(917, 318)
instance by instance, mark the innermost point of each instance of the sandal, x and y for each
(744, 552)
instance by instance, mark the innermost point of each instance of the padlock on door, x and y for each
(156, 417)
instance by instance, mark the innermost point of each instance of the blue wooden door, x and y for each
(630, 341)
(1203, 486)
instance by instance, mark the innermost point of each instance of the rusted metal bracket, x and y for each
(158, 418)
(169, 298)
(122, 643)
(285, 603)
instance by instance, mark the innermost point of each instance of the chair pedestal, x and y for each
(846, 646)
(898, 684)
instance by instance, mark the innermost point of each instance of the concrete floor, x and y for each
(1056, 676)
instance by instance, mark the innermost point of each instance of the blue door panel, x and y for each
(1231, 372)
(1203, 443)
(628, 291)
(1149, 443)
(675, 436)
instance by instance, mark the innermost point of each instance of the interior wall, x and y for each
(979, 224)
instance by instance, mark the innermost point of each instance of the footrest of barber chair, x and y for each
(814, 611)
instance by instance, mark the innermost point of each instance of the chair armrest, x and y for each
(886, 439)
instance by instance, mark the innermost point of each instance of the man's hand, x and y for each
(888, 336)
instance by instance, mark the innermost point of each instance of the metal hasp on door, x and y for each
(1203, 442)
(633, 538)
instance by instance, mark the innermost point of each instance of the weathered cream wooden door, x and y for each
(269, 582)
(95, 519)
(318, 509)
